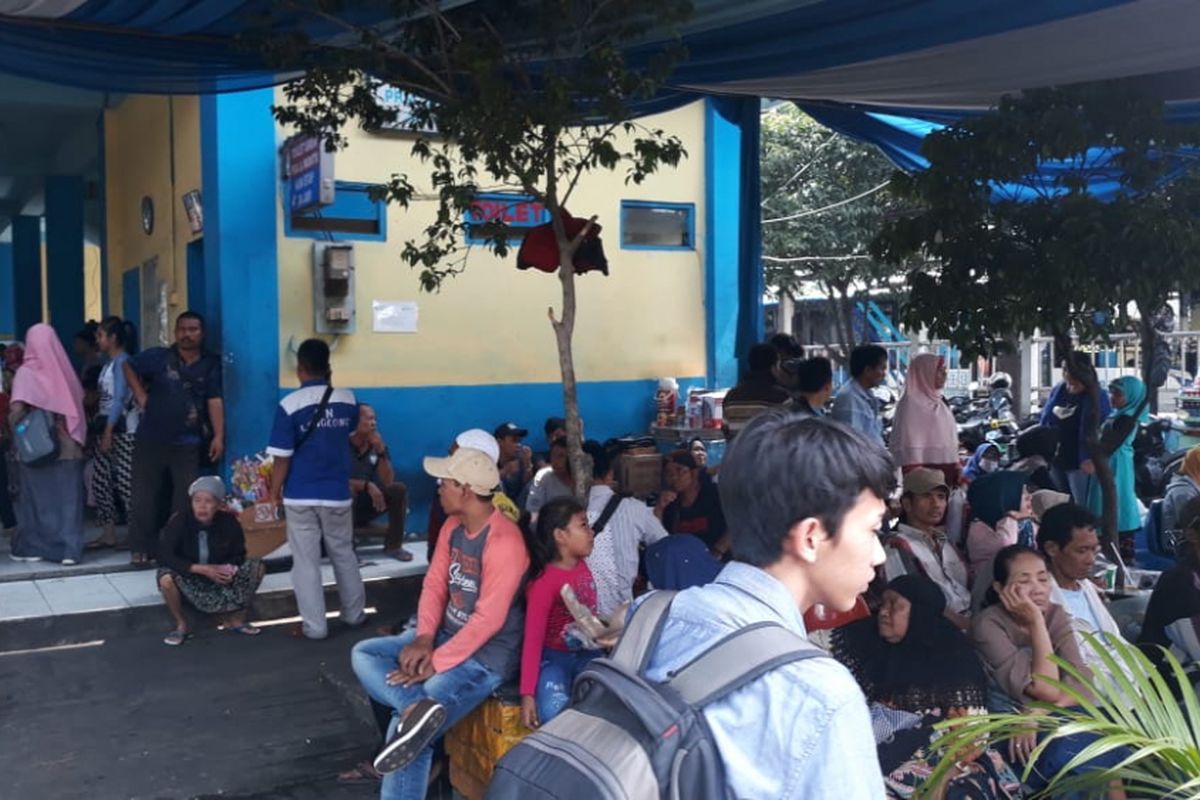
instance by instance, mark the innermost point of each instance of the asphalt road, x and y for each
(223, 715)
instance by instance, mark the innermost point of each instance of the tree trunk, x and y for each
(564, 328)
(1103, 469)
(1148, 341)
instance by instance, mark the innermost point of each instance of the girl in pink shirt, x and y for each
(551, 657)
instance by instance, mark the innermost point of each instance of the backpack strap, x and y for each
(610, 508)
(740, 659)
(640, 636)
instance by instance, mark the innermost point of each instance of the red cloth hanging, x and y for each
(540, 250)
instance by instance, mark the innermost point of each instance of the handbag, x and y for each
(36, 439)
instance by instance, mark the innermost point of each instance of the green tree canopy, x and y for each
(524, 96)
(823, 202)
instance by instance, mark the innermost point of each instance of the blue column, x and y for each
(8, 319)
(64, 254)
(105, 308)
(27, 273)
(241, 293)
(734, 282)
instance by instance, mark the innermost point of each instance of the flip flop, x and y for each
(401, 554)
(176, 638)
(245, 629)
(362, 773)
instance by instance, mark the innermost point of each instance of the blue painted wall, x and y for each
(240, 288)
(27, 273)
(8, 317)
(64, 254)
(423, 421)
(734, 280)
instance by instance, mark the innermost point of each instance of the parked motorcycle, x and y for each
(1154, 464)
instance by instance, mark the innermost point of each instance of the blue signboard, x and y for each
(310, 173)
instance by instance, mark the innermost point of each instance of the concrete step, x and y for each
(51, 612)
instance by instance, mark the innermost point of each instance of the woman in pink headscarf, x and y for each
(50, 506)
(924, 433)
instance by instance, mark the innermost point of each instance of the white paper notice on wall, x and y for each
(395, 316)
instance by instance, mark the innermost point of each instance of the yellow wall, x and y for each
(489, 325)
(142, 158)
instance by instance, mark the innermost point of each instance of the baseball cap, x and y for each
(209, 483)
(511, 429)
(472, 468)
(479, 439)
(924, 480)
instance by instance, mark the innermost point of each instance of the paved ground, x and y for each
(266, 718)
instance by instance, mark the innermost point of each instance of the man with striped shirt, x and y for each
(631, 526)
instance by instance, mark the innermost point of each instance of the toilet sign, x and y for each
(309, 170)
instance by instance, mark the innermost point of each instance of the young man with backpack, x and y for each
(469, 625)
(805, 499)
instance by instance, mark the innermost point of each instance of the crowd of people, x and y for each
(797, 516)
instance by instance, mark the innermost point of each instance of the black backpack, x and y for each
(627, 738)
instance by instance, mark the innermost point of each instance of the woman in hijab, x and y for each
(1003, 514)
(984, 461)
(924, 433)
(1182, 489)
(203, 558)
(50, 507)
(1128, 395)
(916, 668)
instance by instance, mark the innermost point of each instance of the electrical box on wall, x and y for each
(333, 287)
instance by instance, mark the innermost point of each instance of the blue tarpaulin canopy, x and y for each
(886, 71)
(948, 55)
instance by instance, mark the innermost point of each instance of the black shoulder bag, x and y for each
(1114, 432)
(609, 509)
(316, 417)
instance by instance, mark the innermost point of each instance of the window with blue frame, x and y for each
(657, 226)
(521, 213)
(352, 215)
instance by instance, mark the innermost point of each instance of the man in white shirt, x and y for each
(631, 525)
(1068, 538)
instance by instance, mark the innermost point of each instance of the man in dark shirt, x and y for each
(178, 389)
(516, 460)
(756, 392)
(692, 505)
(373, 483)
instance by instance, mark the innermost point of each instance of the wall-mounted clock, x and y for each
(147, 215)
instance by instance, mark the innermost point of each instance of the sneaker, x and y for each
(416, 731)
(26, 559)
(69, 562)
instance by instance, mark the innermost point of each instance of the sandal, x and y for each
(176, 638)
(363, 772)
(246, 629)
(400, 555)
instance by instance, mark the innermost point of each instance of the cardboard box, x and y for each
(640, 474)
(479, 741)
(265, 532)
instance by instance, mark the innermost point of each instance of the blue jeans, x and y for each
(461, 690)
(1062, 750)
(555, 678)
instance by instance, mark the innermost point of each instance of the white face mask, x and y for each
(988, 465)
